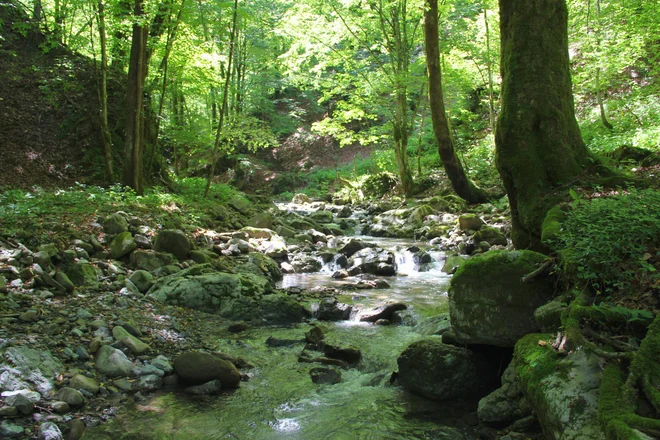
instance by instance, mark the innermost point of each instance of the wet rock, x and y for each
(382, 312)
(197, 368)
(208, 388)
(452, 263)
(282, 309)
(443, 372)
(148, 383)
(350, 248)
(489, 305)
(301, 199)
(279, 342)
(490, 235)
(303, 263)
(113, 362)
(71, 396)
(122, 244)
(173, 241)
(115, 224)
(321, 375)
(404, 318)
(351, 355)
(340, 274)
(332, 310)
(50, 431)
(506, 404)
(373, 261)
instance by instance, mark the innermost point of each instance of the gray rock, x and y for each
(375, 261)
(442, 372)
(303, 263)
(71, 396)
(115, 224)
(148, 383)
(332, 310)
(50, 431)
(382, 312)
(142, 242)
(208, 388)
(64, 281)
(352, 247)
(122, 244)
(37, 367)
(173, 241)
(60, 407)
(162, 363)
(197, 368)
(282, 309)
(470, 222)
(21, 403)
(488, 303)
(506, 404)
(113, 362)
(151, 261)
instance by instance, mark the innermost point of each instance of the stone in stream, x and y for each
(382, 312)
(208, 388)
(443, 372)
(332, 310)
(350, 248)
(322, 375)
(348, 354)
(277, 342)
(197, 368)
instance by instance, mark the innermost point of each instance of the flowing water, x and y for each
(279, 401)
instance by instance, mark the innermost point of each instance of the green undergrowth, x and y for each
(612, 243)
(41, 213)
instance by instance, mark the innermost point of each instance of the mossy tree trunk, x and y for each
(539, 148)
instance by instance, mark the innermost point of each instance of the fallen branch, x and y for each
(542, 270)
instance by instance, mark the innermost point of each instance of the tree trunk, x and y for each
(539, 148)
(459, 180)
(489, 67)
(103, 95)
(137, 70)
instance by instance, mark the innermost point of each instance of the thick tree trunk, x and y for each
(103, 96)
(539, 147)
(401, 135)
(134, 146)
(459, 180)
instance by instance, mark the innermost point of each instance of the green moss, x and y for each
(534, 362)
(552, 223)
(483, 266)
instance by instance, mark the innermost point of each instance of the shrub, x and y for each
(613, 243)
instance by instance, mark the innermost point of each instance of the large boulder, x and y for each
(489, 304)
(374, 261)
(82, 273)
(563, 390)
(115, 224)
(443, 372)
(196, 368)
(173, 241)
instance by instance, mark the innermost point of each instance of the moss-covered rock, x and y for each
(491, 235)
(443, 372)
(563, 391)
(470, 222)
(173, 241)
(122, 244)
(82, 273)
(488, 302)
(151, 261)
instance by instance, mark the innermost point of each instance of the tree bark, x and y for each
(463, 186)
(137, 72)
(103, 95)
(539, 148)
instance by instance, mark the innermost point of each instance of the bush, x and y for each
(613, 243)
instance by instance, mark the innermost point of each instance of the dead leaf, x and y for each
(542, 343)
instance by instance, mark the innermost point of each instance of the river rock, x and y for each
(173, 241)
(470, 222)
(197, 368)
(352, 247)
(148, 383)
(163, 364)
(324, 375)
(375, 261)
(113, 362)
(382, 312)
(491, 235)
(282, 309)
(37, 367)
(332, 310)
(349, 354)
(443, 372)
(80, 382)
(488, 303)
(75, 429)
(21, 403)
(151, 261)
(506, 404)
(122, 244)
(60, 407)
(115, 224)
(50, 431)
(303, 263)
(71, 396)
(208, 388)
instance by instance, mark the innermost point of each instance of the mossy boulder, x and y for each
(322, 216)
(470, 222)
(82, 273)
(282, 309)
(150, 261)
(563, 390)
(173, 241)
(443, 372)
(115, 224)
(122, 244)
(491, 235)
(489, 304)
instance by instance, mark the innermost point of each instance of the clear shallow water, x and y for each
(281, 402)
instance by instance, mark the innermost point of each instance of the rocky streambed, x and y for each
(293, 326)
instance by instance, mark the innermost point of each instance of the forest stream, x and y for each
(280, 401)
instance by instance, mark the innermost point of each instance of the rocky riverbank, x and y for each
(129, 308)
